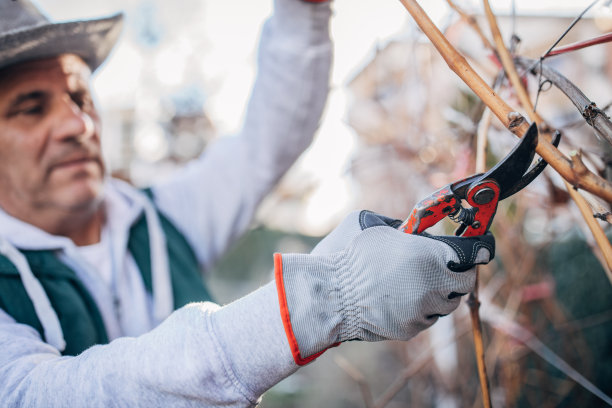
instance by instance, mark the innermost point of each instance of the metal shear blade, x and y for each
(532, 173)
(509, 172)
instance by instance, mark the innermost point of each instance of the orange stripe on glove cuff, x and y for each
(284, 311)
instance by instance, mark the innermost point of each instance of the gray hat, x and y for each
(27, 34)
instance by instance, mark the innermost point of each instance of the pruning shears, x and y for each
(481, 191)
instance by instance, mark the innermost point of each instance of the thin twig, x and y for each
(505, 57)
(517, 269)
(594, 116)
(499, 321)
(520, 267)
(596, 229)
(573, 23)
(472, 23)
(581, 44)
(547, 53)
(577, 163)
(483, 130)
(423, 359)
(481, 140)
(474, 304)
(356, 375)
(585, 322)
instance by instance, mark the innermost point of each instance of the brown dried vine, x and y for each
(458, 64)
(572, 170)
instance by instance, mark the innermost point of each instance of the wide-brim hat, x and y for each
(27, 34)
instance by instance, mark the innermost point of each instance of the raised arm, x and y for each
(213, 199)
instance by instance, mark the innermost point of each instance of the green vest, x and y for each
(78, 314)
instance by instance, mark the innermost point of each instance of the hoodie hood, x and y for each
(124, 205)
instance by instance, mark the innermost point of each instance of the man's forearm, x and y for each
(202, 355)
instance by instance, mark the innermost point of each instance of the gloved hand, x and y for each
(369, 281)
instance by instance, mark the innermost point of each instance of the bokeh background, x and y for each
(398, 125)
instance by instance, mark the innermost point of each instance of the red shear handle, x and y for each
(483, 196)
(430, 210)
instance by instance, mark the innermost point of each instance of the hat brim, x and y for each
(92, 40)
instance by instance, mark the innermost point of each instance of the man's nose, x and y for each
(72, 122)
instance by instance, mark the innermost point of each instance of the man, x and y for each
(91, 269)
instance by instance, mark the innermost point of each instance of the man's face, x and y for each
(50, 156)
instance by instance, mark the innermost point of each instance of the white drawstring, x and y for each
(163, 302)
(44, 311)
(163, 299)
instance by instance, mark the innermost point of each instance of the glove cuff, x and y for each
(298, 356)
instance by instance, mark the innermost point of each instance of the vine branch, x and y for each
(458, 64)
(593, 116)
(579, 169)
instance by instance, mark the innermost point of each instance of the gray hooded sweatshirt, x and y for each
(201, 355)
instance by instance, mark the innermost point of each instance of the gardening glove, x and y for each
(369, 281)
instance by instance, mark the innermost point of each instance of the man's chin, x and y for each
(80, 198)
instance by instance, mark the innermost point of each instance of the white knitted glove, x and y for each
(369, 281)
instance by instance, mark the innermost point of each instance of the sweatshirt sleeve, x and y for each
(213, 199)
(202, 355)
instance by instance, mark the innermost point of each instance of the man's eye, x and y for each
(32, 110)
(82, 100)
